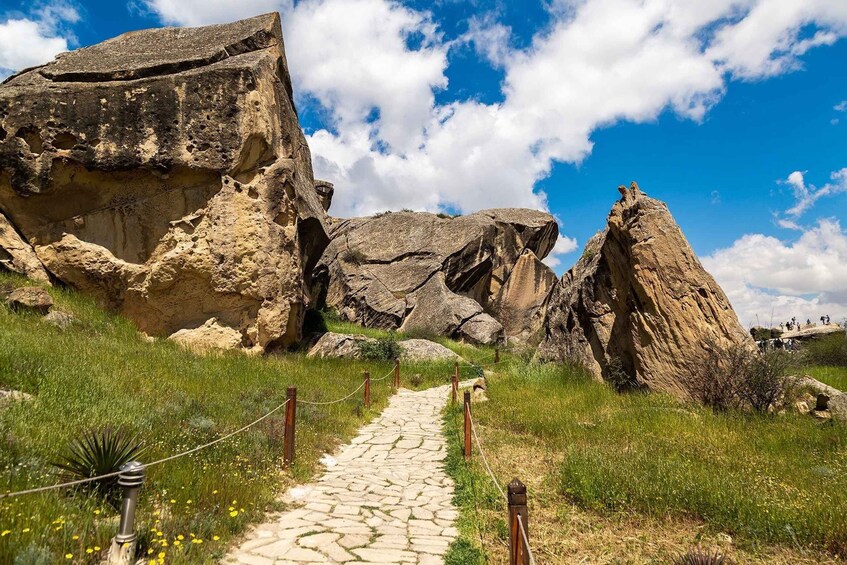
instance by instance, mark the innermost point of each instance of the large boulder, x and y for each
(521, 302)
(429, 273)
(639, 300)
(165, 172)
(30, 299)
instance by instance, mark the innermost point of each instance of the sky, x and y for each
(733, 112)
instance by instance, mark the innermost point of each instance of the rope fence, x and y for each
(515, 496)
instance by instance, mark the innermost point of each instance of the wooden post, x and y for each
(518, 553)
(467, 425)
(367, 390)
(397, 373)
(496, 354)
(290, 413)
(456, 371)
(455, 388)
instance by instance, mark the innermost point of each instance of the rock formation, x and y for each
(638, 300)
(429, 274)
(164, 171)
(349, 346)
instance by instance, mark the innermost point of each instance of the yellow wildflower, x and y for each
(69, 556)
(5, 533)
(216, 538)
(234, 513)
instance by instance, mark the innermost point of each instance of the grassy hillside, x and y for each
(638, 478)
(100, 373)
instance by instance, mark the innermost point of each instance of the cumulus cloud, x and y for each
(564, 245)
(764, 276)
(37, 38)
(374, 67)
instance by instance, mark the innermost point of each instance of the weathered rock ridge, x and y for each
(165, 172)
(638, 296)
(428, 274)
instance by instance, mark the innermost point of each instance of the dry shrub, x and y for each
(725, 376)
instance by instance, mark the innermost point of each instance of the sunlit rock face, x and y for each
(165, 172)
(638, 300)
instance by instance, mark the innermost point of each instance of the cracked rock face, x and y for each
(639, 295)
(422, 273)
(164, 171)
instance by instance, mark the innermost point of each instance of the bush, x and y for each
(383, 349)
(354, 256)
(827, 350)
(731, 376)
(761, 334)
(617, 376)
(702, 557)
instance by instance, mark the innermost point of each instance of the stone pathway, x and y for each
(385, 498)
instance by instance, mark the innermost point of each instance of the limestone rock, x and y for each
(825, 398)
(426, 350)
(335, 345)
(61, 320)
(211, 336)
(521, 302)
(415, 270)
(165, 172)
(639, 296)
(9, 396)
(30, 298)
(17, 255)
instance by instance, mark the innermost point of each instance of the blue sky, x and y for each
(733, 113)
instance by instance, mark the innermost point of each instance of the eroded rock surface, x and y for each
(640, 296)
(164, 171)
(429, 274)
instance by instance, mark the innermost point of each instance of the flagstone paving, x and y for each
(385, 497)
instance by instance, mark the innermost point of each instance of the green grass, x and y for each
(833, 376)
(763, 479)
(100, 373)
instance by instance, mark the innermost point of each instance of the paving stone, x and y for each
(386, 498)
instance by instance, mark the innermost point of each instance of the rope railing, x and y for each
(520, 552)
(143, 465)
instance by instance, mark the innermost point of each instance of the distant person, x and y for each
(782, 326)
(808, 322)
(827, 320)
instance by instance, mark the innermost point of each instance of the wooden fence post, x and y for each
(467, 425)
(518, 552)
(367, 390)
(397, 373)
(454, 388)
(456, 371)
(290, 413)
(496, 355)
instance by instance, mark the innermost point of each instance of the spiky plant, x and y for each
(700, 556)
(99, 452)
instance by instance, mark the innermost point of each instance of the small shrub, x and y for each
(766, 380)
(761, 334)
(416, 380)
(99, 453)
(716, 374)
(617, 375)
(700, 556)
(354, 256)
(383, 349)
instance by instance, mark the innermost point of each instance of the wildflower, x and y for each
(150, 551)
(5, 533)
(69, 556)
(89, 551)
(180, 537)
(25, 530)
(161, 555)
(196, 540)
(216, 538)
(234, 513)
(97, 512)
(173, 501)
(96, 548)
(74, 537)
(188, 501)
(214, 492)
(177, 542)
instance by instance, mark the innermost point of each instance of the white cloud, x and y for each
(806, 196)
(35, 40)
(375, 66)
(563, 246)
(841, 106)
(205, 12)
(764, 276)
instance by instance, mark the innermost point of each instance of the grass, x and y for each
(835, 377)
(639, 478)
(100, 373)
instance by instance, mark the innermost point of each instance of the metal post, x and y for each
(367, 390)
(290, 414)
(397, 373)
(123, 544)
(496, 355)
(467, 425)
(518, 554)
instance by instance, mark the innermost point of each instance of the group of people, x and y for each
(793, 324)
